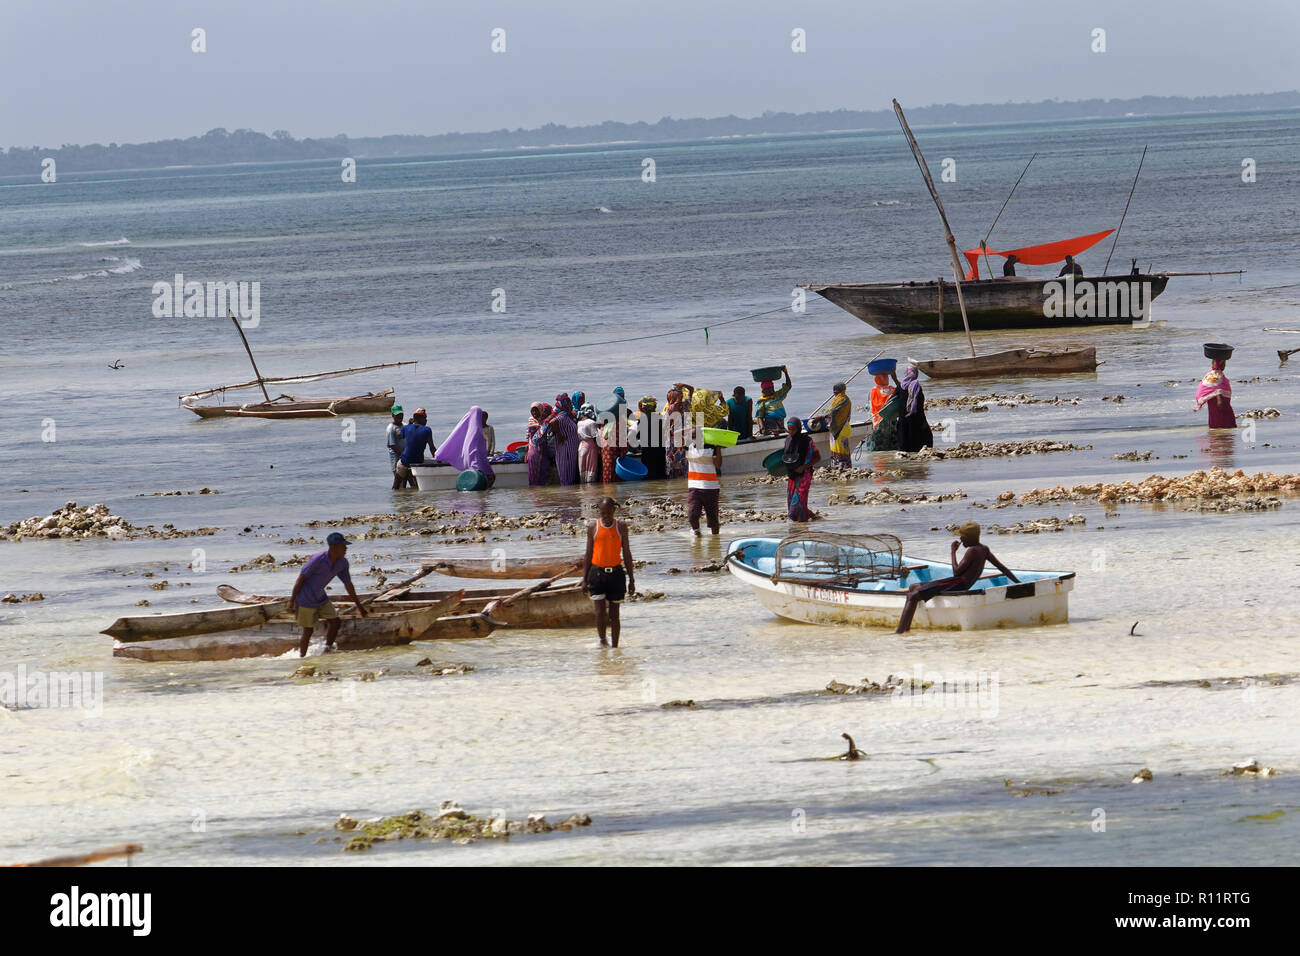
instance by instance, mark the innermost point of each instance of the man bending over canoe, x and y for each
(964, 574)
(309, 600)
(608, 556)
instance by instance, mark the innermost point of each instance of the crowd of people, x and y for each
(572, 441)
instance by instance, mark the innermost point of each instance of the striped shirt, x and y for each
(700, 472)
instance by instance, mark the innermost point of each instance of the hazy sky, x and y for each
(80, 71)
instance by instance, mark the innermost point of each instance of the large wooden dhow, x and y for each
(1017, 302)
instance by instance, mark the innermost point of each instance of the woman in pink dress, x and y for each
(588, 450)
(1216, 391)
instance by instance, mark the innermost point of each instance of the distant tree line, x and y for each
(245, 145)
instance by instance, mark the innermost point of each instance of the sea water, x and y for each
(1180, 655)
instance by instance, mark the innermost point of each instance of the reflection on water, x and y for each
(1218, 447)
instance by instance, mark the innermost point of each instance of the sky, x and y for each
(82, 71)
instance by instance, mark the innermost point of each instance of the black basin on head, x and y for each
(1217, 350)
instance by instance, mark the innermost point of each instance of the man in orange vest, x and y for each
(607, 570)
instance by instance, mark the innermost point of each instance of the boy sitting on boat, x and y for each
(965, 573)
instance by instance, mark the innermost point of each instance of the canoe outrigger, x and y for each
(823, 578)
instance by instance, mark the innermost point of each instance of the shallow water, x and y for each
(234, 763)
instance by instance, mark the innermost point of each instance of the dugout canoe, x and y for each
(564, 606)
(505, 568)
(822, 578)
(1012, 362)
(154, 627)
(386, 626)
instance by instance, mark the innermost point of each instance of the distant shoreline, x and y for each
(220, 147)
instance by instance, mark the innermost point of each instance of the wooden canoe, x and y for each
(505, 569)
(161, 626)
(295, 406)
(386, 626)
(557, 607)
(1030, 361)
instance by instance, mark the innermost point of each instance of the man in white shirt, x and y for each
(703, 465)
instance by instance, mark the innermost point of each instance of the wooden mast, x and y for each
(947, 231)
(984, 243)
(1121, 218)
(240, 329)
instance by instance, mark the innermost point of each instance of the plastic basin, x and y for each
(630, 469)
(471, 480)
(719, 436)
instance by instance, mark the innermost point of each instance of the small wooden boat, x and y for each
(565, 606)
(294, 406)
(822, 578)
(290, 406)
(385, 626)
(504, 569)
(1028, 361)
(154, 627)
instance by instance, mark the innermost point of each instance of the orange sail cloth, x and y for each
(1043, 255)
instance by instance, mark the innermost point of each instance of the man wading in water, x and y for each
(608, 556)
(310, 602)
(965, 573)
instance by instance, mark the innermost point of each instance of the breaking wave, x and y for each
(112, 242)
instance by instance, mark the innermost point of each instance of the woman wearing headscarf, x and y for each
(800, 455)
(650, 435)
(563, 425)
(841, 412)
(465, 449)
(614, 438)
(674, 431)
(1216, 391)
(708, 408)
(588, 448)
(770, 408)
(913, 429)
(541, 444)
(578, 399)
(886, 405)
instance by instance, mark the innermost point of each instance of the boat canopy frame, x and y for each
(827, 559)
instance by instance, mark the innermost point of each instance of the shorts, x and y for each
(310, 616)
(607, 584)
(393, 459)
(702, 500)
